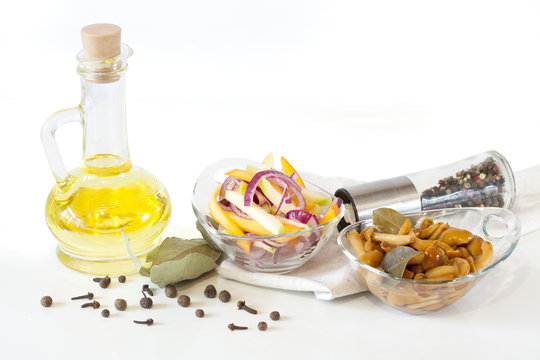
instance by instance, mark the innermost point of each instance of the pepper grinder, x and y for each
(482, 180)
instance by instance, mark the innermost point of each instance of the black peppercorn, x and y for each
(146, 302)
(46, 301)
(210, 291)
(122, 279)
(120, 304)
(262, 326)
(104, 283)
(105, 313)
(199, 313)
(274, 315)
(170, 291)
(184, 300)
(224, 296)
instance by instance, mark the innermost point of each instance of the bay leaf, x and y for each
(145, 270)
(396, 260)
(173, 248)
(191, 266)
(388, 220)
(151, 254)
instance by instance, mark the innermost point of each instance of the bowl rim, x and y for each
(477, 274)
(200, 216)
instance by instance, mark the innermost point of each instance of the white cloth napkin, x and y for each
(329, 275)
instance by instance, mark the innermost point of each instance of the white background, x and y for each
(363, 89)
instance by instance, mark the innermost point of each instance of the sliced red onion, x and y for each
(239, 212)
(274, 244)
(285, 189)
(230, 183)
(278, 177)
(262, 198)
(304, 217)
(276, 254)
(225, 204)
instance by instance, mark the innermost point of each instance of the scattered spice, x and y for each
(184, 300)
(120, 304)
(210, 291)
(147, 322)
(146, 302)
(224, 296)
(262, 326)
(104, 283)
(232, 327)
(199, 313)
(88, 296)
(105, 313)
(146, 288)
(170, 291)
(46, 301)
(94, 304)
(274, 315)
(242, 306)
(122, 279)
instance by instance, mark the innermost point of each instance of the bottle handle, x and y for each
(50, 146)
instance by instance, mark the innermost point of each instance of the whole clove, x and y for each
(94, 304)
(146, 322)
(88, 296)
(233, 327)
(146, 288)
(242, 306)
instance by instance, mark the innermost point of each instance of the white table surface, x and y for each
(359, 89)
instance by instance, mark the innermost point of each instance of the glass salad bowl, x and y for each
(270, 253)
(499, 226)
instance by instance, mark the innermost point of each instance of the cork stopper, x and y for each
(101, 41)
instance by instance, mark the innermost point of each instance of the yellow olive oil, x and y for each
(102, 198)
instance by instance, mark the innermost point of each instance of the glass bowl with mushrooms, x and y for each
(422, 262)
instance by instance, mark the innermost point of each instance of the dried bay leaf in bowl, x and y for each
(388, 220)
(395, 262)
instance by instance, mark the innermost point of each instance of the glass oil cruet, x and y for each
(90, 206)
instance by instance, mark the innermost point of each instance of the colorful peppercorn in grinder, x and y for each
(481, 180)
(90, 207)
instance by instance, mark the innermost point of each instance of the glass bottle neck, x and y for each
(105, 143)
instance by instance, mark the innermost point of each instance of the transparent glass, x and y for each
(296, 247)
(90, 206)
(499, 226)
(482, 180)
